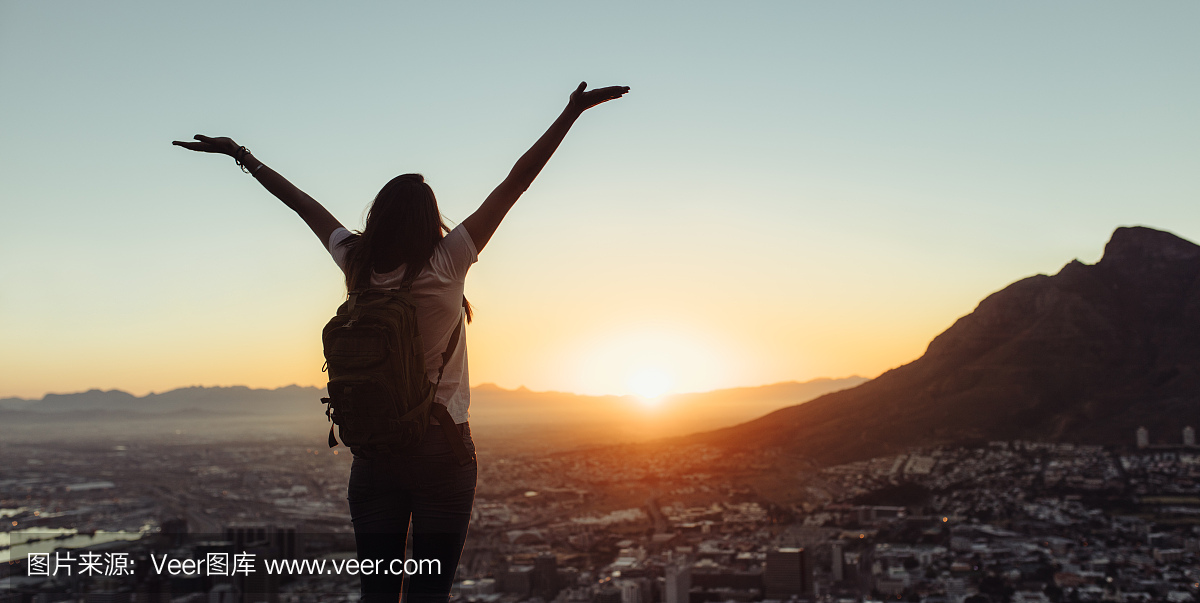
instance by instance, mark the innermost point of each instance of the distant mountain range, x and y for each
(514, 417)
(1085, 356)
(223, 400)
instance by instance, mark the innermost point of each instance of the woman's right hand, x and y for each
(204, 144)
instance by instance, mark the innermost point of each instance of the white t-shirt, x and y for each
(438, 291)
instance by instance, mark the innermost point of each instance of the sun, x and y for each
(649, 383)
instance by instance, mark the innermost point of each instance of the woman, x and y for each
(403, 237)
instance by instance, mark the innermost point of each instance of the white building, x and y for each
(678, 582)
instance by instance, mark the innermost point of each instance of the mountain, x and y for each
(1086, 356)
(513, 418)
(231, 400)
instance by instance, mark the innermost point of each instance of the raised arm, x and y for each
(314, 214)
(483, 223)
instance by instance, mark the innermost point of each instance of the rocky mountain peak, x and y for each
(1140, 245)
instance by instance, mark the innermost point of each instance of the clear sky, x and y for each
(791, 190)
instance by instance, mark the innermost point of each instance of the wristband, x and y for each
(240, 154)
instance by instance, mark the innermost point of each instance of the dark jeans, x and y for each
(428, 486)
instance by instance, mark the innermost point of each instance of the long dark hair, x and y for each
(403, 227)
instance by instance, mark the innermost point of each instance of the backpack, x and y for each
(379, 396)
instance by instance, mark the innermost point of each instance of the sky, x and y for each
(789, 191)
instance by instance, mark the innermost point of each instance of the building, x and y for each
(607, 595)
(678, 582)
(544, 579)
(787, 574)
(633, 591)
(243, 535)
(1189, 436)
(837, 561)
(282, 540)
(261, 541)
(518, 580)
(1143, 437)
(259, 586)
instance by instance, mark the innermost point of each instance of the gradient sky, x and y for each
(791, 190)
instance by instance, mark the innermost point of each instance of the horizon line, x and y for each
(486, 385)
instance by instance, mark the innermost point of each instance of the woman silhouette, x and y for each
(403, 237)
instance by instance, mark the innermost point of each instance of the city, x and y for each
(645, 523)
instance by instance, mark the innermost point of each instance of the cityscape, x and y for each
(640, 523)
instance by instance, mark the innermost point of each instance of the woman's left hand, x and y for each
(223, 145)
(583, 100)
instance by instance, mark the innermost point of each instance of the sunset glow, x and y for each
(648, 361)
(650, 383)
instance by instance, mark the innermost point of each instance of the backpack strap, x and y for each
(442, 414)
(450, 347)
